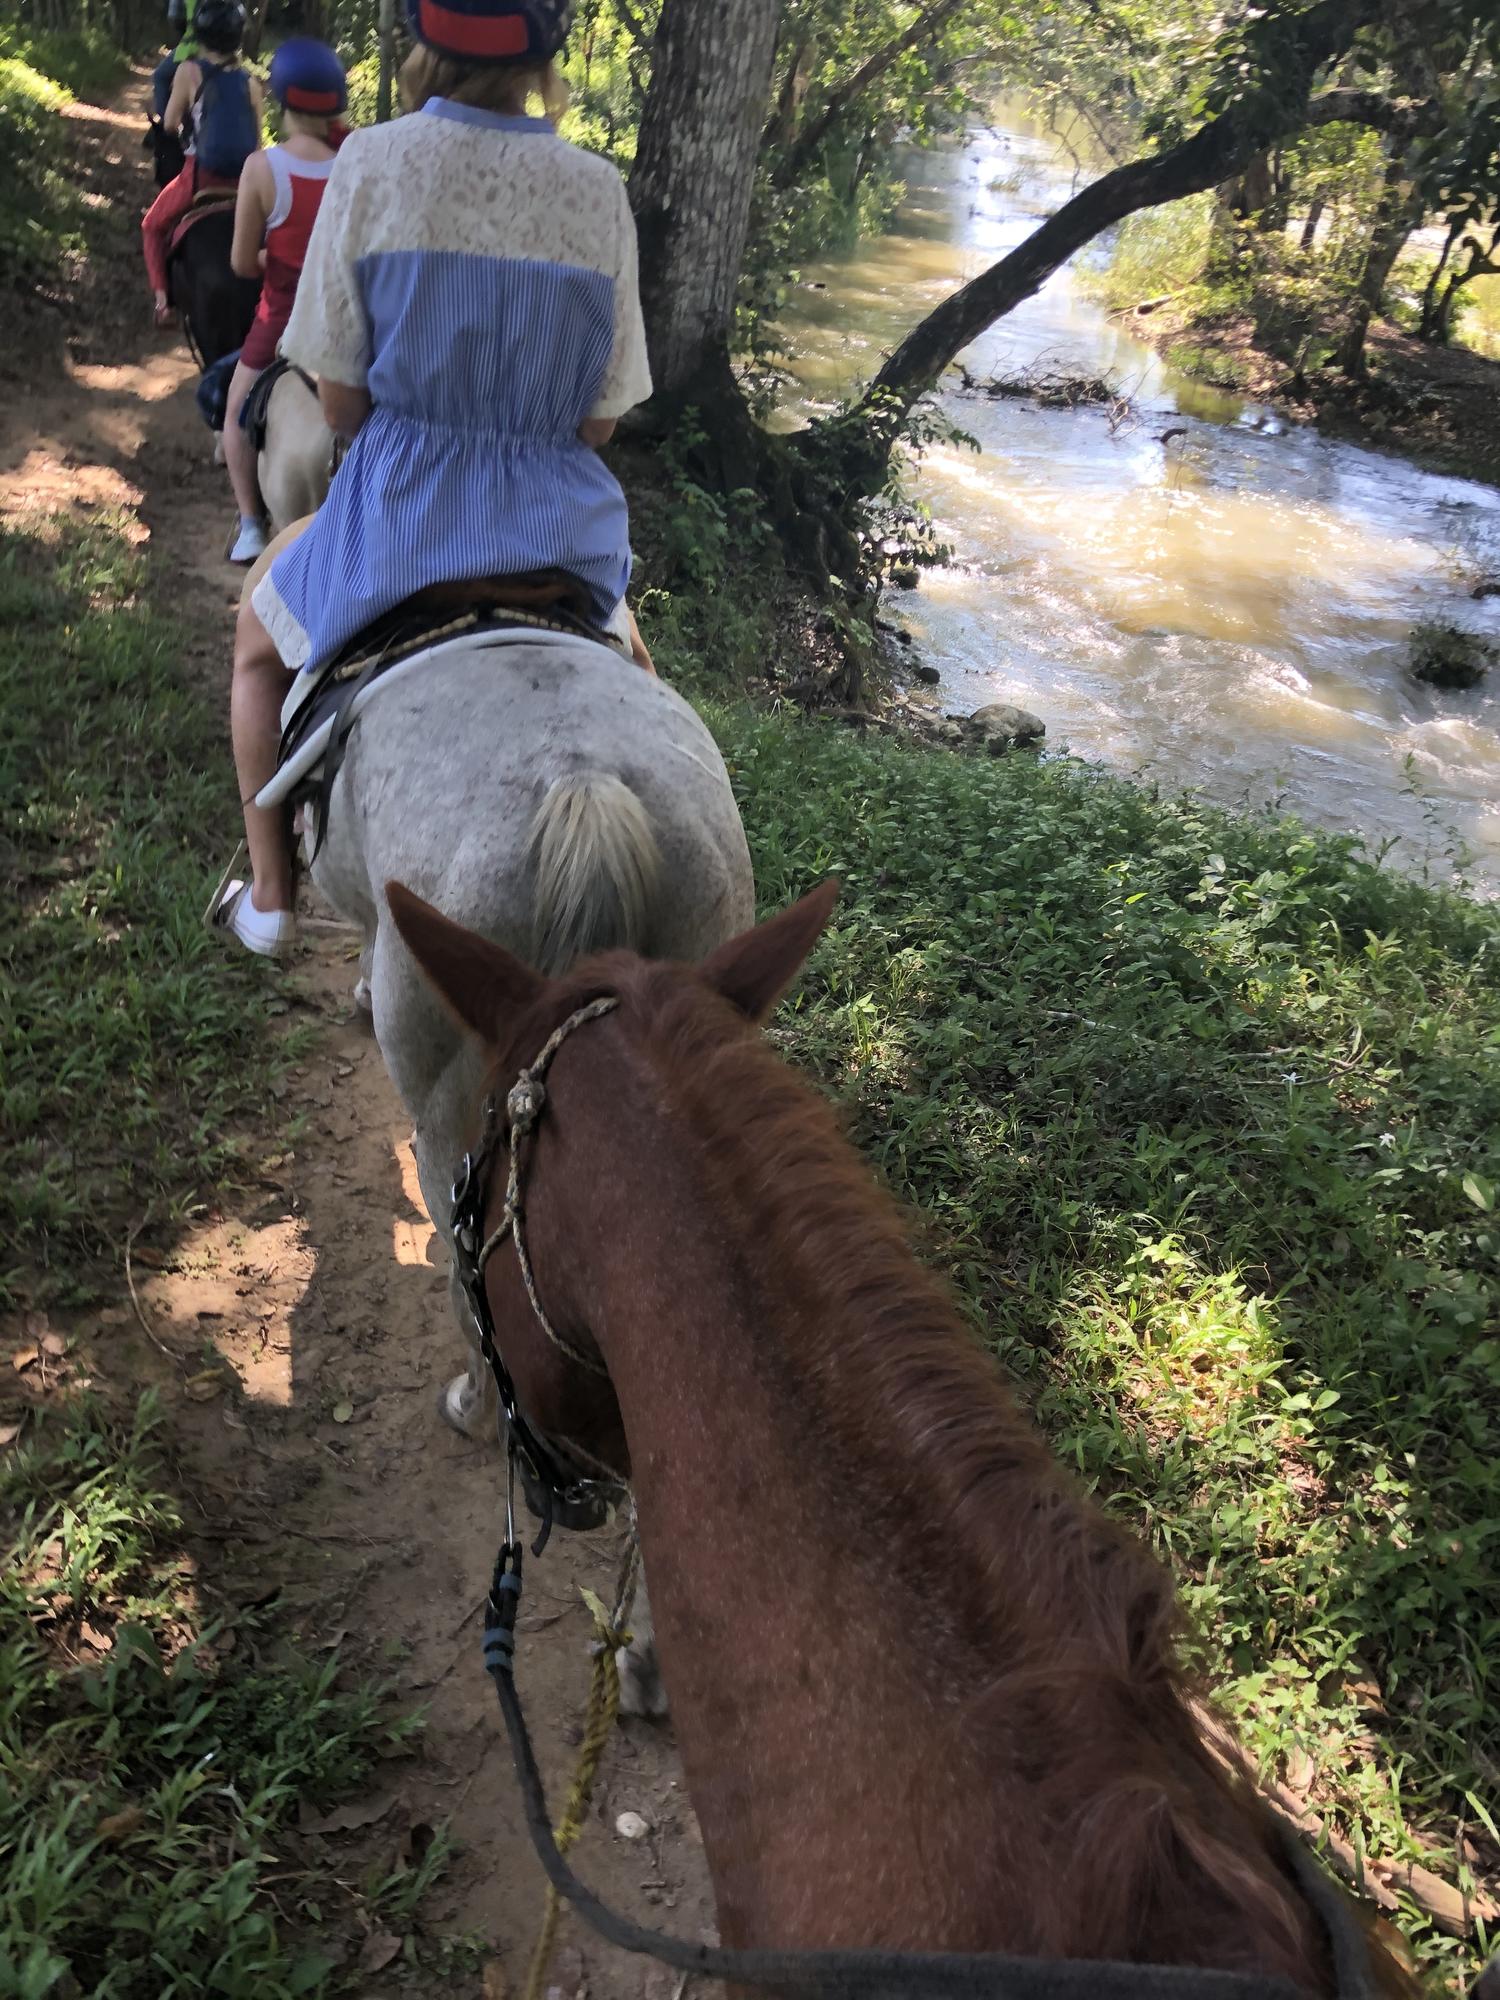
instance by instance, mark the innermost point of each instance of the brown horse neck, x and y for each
(924, 1691)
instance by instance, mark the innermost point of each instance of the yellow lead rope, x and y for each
(603, 1706)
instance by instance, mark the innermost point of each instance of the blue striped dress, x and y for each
(478, 275)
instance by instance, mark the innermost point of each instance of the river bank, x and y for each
(1436, 406)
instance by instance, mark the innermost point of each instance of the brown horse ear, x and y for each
(483, 983)
(753, 970)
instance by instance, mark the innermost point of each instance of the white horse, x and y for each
(300, 454)
(549, 794)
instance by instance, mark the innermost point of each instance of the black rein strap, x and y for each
(890, 1975)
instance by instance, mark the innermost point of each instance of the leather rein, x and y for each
(564, 1485)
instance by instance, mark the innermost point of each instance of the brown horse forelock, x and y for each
(1168, 1852)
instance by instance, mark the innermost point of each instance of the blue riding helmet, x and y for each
(307, 76)
(492, 32)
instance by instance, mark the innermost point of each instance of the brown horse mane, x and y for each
(1089, 1692)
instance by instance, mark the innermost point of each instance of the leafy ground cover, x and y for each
(156, 1749)
(150, 1757)
(42, 218)
(1204, 1113)
(131, 1047)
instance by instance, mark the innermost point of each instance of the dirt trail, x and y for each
(321, 1465)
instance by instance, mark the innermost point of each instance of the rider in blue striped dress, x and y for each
(469, 306)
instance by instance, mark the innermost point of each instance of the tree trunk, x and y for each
(1399, 213)
(1311, 223)
(1434, 326)
(693, 178)
(386, 72)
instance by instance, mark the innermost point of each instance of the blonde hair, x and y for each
(311, 125)
(487, 86)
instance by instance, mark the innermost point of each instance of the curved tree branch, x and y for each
(1214, 154)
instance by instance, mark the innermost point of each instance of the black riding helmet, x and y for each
(220, 25)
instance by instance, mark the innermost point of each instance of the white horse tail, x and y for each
(597, 868)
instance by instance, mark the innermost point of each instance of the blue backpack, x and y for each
(225, 116)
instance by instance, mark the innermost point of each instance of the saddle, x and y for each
(209, 201)
(254, 409)
(324, 706)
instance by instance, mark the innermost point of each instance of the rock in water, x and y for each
(929, 676)
(1001, 726)
(1447, 656)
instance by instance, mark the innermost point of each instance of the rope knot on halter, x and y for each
(524, 1104)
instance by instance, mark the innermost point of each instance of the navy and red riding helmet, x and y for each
(493, 32)
(307, 76)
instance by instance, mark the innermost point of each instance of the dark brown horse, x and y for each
(927, 1695)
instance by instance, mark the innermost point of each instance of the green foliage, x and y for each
(130, 1041)
(37, 214)
(140, 1797)
(1202, 1111)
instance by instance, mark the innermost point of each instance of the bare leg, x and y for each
(255, 699)
(239, 454)
(638, 650)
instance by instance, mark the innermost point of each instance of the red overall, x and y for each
(299, 192)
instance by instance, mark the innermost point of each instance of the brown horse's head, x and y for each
(514, 1010)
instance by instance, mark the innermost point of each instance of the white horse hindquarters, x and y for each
(297, 462)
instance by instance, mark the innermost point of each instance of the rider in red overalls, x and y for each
(280, 194)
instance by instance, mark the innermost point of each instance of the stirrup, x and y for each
(220, 895)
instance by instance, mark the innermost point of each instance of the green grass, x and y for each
(142, 1794)
(43, 220)
(1205, 1115)
(132, 1046)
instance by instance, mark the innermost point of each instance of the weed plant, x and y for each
(141, 1793)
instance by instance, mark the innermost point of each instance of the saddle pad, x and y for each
(253, 410)
(299, 768)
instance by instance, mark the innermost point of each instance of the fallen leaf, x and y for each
(22, 1359)
(55, 1344)
(379, 1949)
(94, 1639)
(9, 1433)
(203, 1388)
(330, 1645)
(343, 1819)
(120, 1825)
(342, 1412)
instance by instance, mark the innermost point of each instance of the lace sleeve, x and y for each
(328, 333)
(627, 380)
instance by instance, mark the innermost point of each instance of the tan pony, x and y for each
(928, 1696)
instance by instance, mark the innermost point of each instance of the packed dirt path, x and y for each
(299, 1332)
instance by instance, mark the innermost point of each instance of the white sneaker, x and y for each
(250, 543)
(268, 933)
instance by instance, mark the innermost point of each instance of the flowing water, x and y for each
(1227, 608)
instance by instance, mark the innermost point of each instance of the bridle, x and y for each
(563, 1485)
(564, 1489)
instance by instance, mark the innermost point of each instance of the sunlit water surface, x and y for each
(1228, 609)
